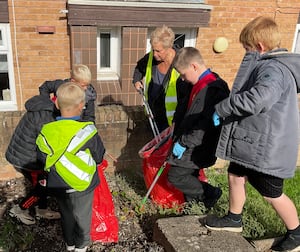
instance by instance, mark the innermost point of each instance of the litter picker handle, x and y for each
(160, 171)
(152, 122)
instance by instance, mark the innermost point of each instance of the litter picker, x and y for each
(150, 116)
(148, 151)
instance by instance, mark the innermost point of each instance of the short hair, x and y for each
(185, 56)
(261, 29)
(164, 35)
(81, 73)
(69, 95)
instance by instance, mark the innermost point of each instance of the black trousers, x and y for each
(186, 180)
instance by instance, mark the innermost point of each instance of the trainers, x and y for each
(84, 249)
(211, 201)
(70, 248)
(46, 214)
(290, 242)
(224, 224)
(21, 215)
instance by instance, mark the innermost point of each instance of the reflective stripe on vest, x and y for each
(171, 94)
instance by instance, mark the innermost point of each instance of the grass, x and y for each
(259, 219)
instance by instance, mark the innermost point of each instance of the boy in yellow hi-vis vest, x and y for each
(71, 150)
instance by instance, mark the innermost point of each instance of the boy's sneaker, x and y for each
(81, 249)
(290, 242)
(70, 248)
(21, 215)
(211, 201)
(46, 214)
(224, 224)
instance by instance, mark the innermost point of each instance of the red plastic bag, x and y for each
(154, 155)
(104, 225)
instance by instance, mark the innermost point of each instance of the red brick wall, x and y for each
(227, 20)
(40, 56)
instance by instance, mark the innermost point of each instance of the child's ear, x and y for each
(261, 48)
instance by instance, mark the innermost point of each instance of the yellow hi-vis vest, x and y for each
(170, 89)
(61, 141)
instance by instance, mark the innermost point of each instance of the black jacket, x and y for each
(88, 114)
(197, 131)
(22, 149)
(157, 103)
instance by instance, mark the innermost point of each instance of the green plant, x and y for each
(15, 237)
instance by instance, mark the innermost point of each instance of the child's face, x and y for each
(189, 74)
(81, 83)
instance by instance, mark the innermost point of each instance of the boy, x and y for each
(22, 154)
(80, 74)
(260, 129)
(196, 137)
(70, 150)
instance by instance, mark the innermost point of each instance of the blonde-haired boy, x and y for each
(260, 129)
(81, 75)
(71, 150)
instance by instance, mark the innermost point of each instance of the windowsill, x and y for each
(107, 76)
(7, 107)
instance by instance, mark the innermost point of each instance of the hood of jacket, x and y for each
(290, 60)
(39, 103)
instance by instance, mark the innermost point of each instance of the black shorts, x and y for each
(266, 185)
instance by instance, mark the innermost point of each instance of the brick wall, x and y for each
(40, 56)
(228, 19)
(123, 130)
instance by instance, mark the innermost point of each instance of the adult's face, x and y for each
(159, 52)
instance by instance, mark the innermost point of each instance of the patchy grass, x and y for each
(259, 218)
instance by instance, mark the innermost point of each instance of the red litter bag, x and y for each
(154, 154)
(104, 225)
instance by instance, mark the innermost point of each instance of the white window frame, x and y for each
(190, 36)
(112, 72)
(10, 105)
(296, 43)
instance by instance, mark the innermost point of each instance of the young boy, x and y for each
(80, 74)
(260, 129)
(196, 137)
(71, 150)
(22, 154)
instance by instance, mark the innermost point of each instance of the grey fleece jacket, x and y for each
(261, 117)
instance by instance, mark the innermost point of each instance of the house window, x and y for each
(108, 53)
(7, 84)
(183, 37)
(296, 44)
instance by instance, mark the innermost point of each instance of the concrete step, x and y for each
(187, 234)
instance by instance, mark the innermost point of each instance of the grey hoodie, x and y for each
(261, 117)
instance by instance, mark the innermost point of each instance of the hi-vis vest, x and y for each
(170, 89)
(62, 145)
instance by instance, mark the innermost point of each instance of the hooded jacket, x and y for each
(261, 118)
(196, 131)
(88, 114)
(22, 150)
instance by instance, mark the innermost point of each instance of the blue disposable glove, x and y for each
(178, 150)
(216, 119)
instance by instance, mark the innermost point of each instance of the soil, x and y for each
(135, 233)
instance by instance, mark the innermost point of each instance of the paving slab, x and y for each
(187, 234)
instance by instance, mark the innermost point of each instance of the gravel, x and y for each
(135, 230)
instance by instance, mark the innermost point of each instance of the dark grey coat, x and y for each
(22, 149)
(261, 117)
